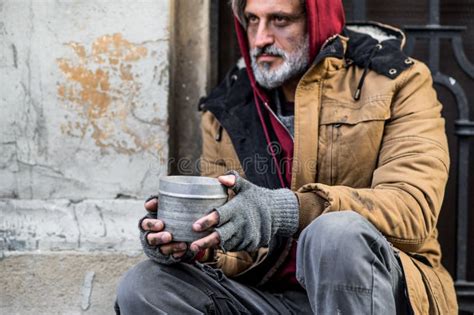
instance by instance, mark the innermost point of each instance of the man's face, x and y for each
(278, 40)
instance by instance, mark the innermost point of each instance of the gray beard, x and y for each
(294, 63)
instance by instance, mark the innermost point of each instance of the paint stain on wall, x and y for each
(101, 89)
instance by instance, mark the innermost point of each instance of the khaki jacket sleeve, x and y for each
(408, 183)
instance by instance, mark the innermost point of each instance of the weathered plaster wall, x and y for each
(84, 96)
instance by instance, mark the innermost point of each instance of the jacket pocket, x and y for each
(350, 139)
(374, 109)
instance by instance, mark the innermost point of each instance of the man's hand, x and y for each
(210, 221)
(156, 243)
(251, 219)
(156, 237)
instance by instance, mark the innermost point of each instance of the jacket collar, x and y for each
(377, 47)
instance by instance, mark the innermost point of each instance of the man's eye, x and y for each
(280, 20)
(252, 19)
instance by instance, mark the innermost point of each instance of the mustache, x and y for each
(268, 50)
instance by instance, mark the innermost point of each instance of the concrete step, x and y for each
(63, 256)
(61, 224)
(61, 282)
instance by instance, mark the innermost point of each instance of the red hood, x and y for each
(325, 18)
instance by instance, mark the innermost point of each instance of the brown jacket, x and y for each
(384, 156)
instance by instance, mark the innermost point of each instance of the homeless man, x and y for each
(332, 142)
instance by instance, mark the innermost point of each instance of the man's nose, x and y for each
(264, 36)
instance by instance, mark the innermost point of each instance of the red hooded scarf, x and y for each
(324, 19)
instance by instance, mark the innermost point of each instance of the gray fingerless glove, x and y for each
(154, 253)
(255, 215)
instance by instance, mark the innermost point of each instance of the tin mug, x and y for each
(185, 199)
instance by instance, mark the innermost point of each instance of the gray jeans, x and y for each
(343, 262)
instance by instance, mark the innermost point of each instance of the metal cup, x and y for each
(185, 199)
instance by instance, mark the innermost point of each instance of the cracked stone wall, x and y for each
(84, 95)
(83, 139)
